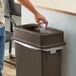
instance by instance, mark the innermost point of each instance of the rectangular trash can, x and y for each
(38, 54)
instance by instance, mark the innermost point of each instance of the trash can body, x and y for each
(36, 53)
(28, 61)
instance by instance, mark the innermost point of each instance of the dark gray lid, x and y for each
(30, 34)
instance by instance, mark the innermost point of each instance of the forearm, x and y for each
(29, 6)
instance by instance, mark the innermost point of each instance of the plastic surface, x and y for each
(31, 35)
(33, 56)
(43, 28)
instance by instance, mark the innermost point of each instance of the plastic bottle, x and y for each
(42, 27)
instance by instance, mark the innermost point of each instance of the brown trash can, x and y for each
(38, 54)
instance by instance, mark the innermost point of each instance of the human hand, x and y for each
(39, 17)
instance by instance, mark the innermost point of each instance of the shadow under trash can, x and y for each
(38, 54)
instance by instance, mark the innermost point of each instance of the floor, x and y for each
(9, 70)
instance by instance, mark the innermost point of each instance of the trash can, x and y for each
(38, 54)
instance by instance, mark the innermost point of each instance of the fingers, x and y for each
(45, 22)
(42, 19)
(39, 17)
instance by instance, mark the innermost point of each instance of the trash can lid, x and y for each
(30, 34)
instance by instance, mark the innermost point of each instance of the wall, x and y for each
(64, 22)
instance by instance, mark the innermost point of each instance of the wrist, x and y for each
(36, 13)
